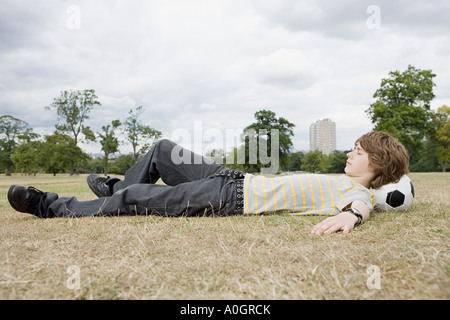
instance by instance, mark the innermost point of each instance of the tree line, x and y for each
(402, 109)
(23, 150)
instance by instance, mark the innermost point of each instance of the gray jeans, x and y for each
(189, 190)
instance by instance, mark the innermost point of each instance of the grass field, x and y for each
(401, 255)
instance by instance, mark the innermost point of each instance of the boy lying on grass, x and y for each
(201, 187)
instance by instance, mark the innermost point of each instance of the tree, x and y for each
(109, 142)
(25, 157)
(315, 161)
(13, 132)
(337, 161)
(295, 160)
(73, 108)
(139, 134)
(403, 106)
(264, 129)
(434, 155)
(443, 136)
(123, 163)
(56, 153)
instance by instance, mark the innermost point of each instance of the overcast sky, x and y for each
(203, 68)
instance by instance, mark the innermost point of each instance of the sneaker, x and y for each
(101, 186)
(31, 200)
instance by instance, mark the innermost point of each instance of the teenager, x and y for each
(197, 186)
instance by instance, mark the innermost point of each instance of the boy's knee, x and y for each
(165, 144)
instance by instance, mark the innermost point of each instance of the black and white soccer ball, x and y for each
(394, 196)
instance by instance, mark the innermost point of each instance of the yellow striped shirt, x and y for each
(302, 194)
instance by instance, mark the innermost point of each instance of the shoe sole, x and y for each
(10, 192)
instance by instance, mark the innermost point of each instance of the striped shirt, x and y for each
(303, 194)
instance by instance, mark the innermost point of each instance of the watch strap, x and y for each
(358, 214)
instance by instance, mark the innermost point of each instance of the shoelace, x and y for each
(37, 198)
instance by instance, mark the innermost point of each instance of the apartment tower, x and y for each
(322, 136)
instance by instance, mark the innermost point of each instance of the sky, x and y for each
(201, 69)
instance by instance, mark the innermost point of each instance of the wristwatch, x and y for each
(358, 214)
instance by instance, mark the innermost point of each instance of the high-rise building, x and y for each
(322, 136)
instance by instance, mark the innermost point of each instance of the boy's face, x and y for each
(358, 163)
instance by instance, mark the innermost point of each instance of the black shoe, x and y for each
(31, 200)
(101, 186)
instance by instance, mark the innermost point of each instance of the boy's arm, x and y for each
(344, 221)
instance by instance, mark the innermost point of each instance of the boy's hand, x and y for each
(343, 222)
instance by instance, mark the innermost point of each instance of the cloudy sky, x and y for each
(201, 69)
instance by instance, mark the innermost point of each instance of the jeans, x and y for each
(188, 191)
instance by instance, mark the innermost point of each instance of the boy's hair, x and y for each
(387, 157)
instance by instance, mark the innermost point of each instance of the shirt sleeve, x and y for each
(361, 195)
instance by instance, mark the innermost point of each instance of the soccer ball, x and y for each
(394, 196)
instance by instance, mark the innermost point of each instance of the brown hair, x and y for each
(387, 157)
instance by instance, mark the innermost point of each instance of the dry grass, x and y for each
(262, 257)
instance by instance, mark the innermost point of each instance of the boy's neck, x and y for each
(365, 181)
